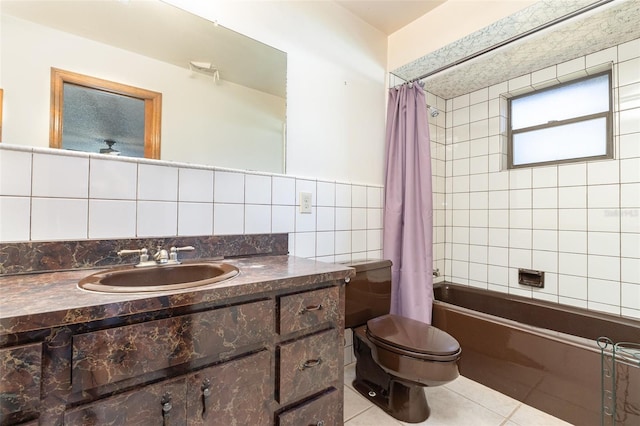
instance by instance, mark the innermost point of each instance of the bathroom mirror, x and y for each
(223, 94)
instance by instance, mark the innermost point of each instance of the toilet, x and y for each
(395, 356)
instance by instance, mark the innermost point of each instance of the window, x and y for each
(568, 122)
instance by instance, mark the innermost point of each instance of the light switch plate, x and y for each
(305, 202)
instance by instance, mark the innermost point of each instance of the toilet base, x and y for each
(403, 401)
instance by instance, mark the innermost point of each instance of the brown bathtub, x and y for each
(542, 354)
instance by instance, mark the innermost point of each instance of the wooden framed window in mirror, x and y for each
(94, 115)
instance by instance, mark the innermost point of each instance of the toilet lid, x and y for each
(411, 335)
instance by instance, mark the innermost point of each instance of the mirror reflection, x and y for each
(223, 94)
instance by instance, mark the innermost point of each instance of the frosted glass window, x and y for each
(568, 122)
(561, 143)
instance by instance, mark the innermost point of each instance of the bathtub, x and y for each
(542, 354)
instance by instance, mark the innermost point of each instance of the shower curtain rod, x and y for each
(511, 39)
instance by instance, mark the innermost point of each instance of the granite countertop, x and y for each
(50, 299)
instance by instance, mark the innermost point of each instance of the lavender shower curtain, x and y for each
(408, 209)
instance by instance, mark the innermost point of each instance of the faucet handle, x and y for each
(173, 256)
(144, 256)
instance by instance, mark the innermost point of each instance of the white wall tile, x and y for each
(358, 241)
(572, 219)
(520, 219)
(499, 218)
(359, 218)
(284, 191)
(572, 241)
(604, 267)
(520, 199)
(374, 218)
(306, 222)
(374, 239)
(195, 185)
(283, 219)
(374, 197)
(605, 220)
(630, 170)
(546, 261)
(358, 196)
(195, 218)
(326, 218)
(603, 196)
(629, 145)
(228, 219)
(343, 218)
(326, 193)
(60, 176)
(630, 270)
(629, 50)
(602, 57)
(15, 173)
(305, 244)
(343, 195)
(604, 243)
(112, 219)
(545, 177)
(629, 71)
(630, 295)
(572, 174)
(498, 199)
(629, 121)
(572, 264)
(257, 189)
(325, 243)
(157, 218)
(15, 218)
(545, 198)
(520, 179)
(574, 197)
(545, 240)
(111, 179)
(343, 242)
(546, 219)
(630, 245)
(59, 219)
(572, 286)
(257, 219)
(228, 187)
(157, 183)
(602, 172)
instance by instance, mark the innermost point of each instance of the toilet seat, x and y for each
(406, 336)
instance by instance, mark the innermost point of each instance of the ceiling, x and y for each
(389, 16)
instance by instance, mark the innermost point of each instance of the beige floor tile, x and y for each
(483, 395)
(373, 417)
(354, 403)
(529, 416)
(349, 374)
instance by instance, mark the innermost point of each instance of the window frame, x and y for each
(608, 115)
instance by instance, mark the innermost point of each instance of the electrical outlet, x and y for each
(305, 202)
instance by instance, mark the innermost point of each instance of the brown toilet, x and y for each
(395, 356)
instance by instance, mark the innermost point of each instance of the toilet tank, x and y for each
(368, 294)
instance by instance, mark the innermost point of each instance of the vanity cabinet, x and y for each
(20, 377)
(275, 358)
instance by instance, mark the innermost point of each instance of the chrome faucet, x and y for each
(161, 256)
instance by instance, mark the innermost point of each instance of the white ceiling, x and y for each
(389, 16)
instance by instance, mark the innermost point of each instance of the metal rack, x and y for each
(616, 359)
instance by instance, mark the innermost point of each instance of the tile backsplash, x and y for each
(51, 195)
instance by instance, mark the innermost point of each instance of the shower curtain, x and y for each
(408, 209)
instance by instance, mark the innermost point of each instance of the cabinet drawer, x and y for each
(308, 365)
(303, 310)
(144, 406)
(238, 392)
(326, 410)
(20, 376)
(112, 355)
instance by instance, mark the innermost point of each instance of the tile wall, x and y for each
(48, 195)
(578, 222)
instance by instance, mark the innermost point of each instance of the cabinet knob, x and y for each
(166, 407)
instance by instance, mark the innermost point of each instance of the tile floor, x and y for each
(462, 402)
